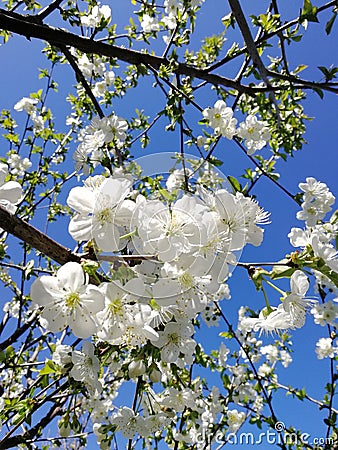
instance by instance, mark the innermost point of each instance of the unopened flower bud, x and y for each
(200, 141)
(64, 428)
(155, 375)
(136, 368)
(89, 266)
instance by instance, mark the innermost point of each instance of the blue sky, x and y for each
(318, 158)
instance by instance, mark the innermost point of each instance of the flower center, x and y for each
(73, 300)
(88, 362)
(104, 216)
(116, 306)
(231, 223)
(186, 280)
(173, 338)
(173, 227)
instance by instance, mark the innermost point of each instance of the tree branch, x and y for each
(55, 410)
(248, 39)
(18, 332)
(82, 79)
(266, 37)
(49, 9)
(30, 27)
(35, 238)
(251, 46)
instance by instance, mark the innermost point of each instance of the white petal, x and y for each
(116, 188)
(299, 283)
(108, 238)
(112, 290)
(82, 325)
(45, 290)
(92, 299)
(150, 333)
(56, 317)
(71, 276)
(124, 213)
(81, 228)
(135, 286)
(170, 353)
(11, 191)
(3, 173)
(81, 200)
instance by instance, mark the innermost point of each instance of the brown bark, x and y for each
(35, 238)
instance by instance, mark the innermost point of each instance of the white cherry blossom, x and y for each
(221, 119)
(119, 310)
(68, 300)
(26, 104)
(317, 201)
(325, 349)
(235, 420)
(170, 232)
(128, 422)
(149, 23)
(100, 211)
(62, 355)
(86, 367)
(95, 16)
(254, 132)
(10, 191)
(175, 339)
(325, 313)
(295, 302)
(18, 165)
(270, 322)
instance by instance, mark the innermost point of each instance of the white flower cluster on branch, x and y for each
(254, 132)
(190, 242)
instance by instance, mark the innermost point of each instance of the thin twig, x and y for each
(251, 47)
(257, 377)
(70, 58)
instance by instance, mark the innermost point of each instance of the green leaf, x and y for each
(334, 217)
(300, 68)
(226, 334)
(325, 270)
(165, 194)
(281, 272)
(235, 184)
(319, 92)
(328, 72)
(215, 162)
(309, 12)
(50, 367)
(330, 23)
(300, 394)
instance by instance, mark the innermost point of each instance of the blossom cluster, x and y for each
(317, 242)
(18, 165)
(29, 106)
(172, 9)
(10, 191)
(96, 15)
(94, 141)
(317, 201)
(168, 260)
(290, 314)
(254, 132)
(185, 248)
(318, 237)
